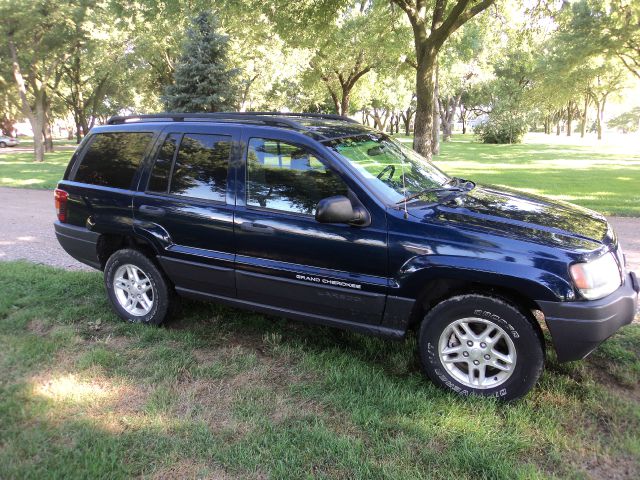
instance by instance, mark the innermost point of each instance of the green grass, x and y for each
(19, 169)
(603, 178)
(220, 392)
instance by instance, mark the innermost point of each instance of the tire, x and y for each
(3, 145)
(122, 288)
(511, 356)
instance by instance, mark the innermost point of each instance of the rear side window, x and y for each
(201, 166)
(112, 159)
(159, 181)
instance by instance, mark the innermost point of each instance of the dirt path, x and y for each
(26, 230)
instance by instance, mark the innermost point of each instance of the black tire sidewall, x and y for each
(3, 145)
(161, 300)
(529, 350)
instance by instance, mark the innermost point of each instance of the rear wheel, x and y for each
(476, 344)
(3, 145)
(137, 289)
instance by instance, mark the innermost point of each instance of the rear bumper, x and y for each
(78, 242)
(577, 328)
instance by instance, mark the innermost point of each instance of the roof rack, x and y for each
(267, 118)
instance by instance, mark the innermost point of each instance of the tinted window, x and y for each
(201, 167)
(112, 159)
(287, 177)
(159, 181)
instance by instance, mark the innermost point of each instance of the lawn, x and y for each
(605, 178)
(19, 169)
(222, 393)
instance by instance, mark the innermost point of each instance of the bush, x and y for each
(502, 128)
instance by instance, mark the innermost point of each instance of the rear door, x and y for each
(100, 182)
(186, 205)
(286, 259)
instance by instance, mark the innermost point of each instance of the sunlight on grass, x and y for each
(68, 388)
(19, 170)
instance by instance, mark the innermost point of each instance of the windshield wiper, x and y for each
(457, 182)
(435, 190)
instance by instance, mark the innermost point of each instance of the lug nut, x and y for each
(487, 357)
(476, 362)
(470, 343)
(465, 354)
(483, 345)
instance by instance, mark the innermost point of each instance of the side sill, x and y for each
(376, 330)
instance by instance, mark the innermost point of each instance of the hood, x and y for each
(526, 217)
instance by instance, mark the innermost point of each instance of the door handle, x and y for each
(256, 228)
(151, 210)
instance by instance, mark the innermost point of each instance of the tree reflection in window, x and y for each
(200, 169)
(282, 176)
(112, 159)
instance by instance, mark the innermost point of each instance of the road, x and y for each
(26, 230)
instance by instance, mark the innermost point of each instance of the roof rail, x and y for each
(267, 118)
(325, 116)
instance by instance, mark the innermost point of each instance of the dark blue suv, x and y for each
(318, 218)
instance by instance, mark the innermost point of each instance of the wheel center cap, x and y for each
(475, 354)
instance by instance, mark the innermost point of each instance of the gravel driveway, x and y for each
(26, 230)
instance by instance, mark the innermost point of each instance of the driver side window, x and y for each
(287, 177)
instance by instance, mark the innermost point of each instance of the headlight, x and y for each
(598, 278)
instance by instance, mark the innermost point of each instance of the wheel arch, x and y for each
(108, 244)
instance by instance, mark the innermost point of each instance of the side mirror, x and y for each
(339, 209)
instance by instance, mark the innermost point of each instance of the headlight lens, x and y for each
(598, 278)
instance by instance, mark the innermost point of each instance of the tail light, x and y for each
(60, 197)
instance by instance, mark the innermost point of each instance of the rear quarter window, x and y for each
(112, 159)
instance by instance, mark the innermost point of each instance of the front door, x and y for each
(285, 258)
(188, 205)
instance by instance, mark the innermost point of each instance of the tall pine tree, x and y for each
(203, 80)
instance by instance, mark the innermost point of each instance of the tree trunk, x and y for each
(423, 125)
(38, 127)
(406, 119)
(46, 126)
(601, 117)
(36, 119)
(463, 119)
(435, 146)
(344, 102)
(558, 129)
(569, 118)
(583, 122)
(48, 138)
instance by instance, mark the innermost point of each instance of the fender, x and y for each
(528, 281)
(154, 234)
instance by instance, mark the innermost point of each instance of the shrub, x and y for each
(503, 127)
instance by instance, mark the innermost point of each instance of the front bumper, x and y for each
(577, 328)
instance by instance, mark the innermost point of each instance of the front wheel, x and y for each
(482, 345)
(137, 289)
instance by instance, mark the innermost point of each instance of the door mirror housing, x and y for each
(339, 209)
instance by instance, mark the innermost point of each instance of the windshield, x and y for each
(394, 171)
